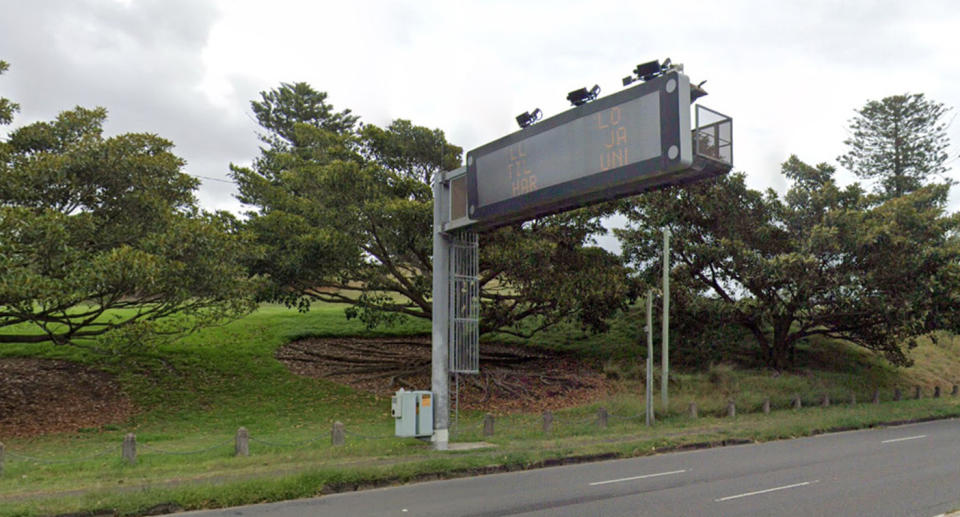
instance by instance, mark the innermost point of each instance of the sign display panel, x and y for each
(618, 145)
(596, 143)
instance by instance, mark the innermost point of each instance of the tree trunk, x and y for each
(782, 346)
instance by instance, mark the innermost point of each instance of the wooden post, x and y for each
(130, 448)
(488, 425)
(731, 409)
(825, 402)
(936, 392)
(916, 393)
(241, 446)
(547, 421)
(338, 434)
(2, 450)
(853, 399)
(797, 404)
(876, 396)
(896, 394)
(766, 406)
(693, 410)
(602, 417)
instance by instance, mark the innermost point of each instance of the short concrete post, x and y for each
(130, 448)
(693, 410)
(602, 417)
(488, 425)
(547, 421)
(955, 390)
(897, 395)
(797, 404)
(916, 393)
(853, 399)
(766, 406)
(936, 392)
(825, 401)
(241, 446)
(338, 434)
(876, 396)
(731, 409)
(2, 450)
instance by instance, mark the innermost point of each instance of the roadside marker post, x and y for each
(649, 389)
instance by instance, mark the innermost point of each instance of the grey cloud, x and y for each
(142, 61)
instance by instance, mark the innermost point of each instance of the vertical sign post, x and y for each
(440, 374)
(665, 334)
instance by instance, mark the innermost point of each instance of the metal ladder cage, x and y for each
(713, 136)
(464, 303)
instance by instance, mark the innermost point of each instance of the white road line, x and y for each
(637, 477)
(758, 492)
(905, 439)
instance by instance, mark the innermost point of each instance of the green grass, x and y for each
(196, 392)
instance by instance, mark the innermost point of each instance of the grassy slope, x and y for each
(195, 393)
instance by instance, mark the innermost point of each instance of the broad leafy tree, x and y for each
(821, 260)
(901, 141)
(102, 236)
(343, 212)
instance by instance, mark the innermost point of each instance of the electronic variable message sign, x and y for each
(635, 140)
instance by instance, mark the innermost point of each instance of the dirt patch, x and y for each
(511, 378)
(41, 396)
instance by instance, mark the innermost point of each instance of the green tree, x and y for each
(101, 237)
(344, 213)
(899, 140)
(7, 108)
(823, 260)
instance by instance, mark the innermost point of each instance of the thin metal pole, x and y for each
(649, 328)
(440, 372)
(456, 404)
(665, 333)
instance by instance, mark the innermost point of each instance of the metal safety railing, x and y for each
(713, 135)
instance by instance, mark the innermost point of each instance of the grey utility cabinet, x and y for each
(412, 412)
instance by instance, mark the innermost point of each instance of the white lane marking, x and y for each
(637, 477)
(905, 439)
(758, 492)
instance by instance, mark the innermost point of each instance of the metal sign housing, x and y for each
(626, 143)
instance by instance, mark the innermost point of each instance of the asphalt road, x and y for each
(897, 471)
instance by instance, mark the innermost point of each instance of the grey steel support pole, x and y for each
(665, 333)
(649, 328)
(440, 382)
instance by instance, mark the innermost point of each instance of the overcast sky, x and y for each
(789, 73)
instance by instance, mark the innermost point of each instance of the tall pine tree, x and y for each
(900, 140)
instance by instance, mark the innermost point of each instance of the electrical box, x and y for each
(412, 412)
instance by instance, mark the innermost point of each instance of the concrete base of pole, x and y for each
(440, 439)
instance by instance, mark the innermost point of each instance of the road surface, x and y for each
(897, 471)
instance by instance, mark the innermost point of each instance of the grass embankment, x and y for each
(197, 392)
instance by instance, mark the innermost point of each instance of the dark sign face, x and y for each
(619, 145)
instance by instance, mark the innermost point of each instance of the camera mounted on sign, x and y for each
(583, 96)
(527, 118)
(651, 69)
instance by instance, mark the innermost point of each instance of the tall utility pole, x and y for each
(649, 329)
(665, 334)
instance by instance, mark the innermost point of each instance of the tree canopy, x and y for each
(821, 260)
(102, 235)
(899, 140)
(343, 213)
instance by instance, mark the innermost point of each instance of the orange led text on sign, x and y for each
(522, 180)
(615, 152)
